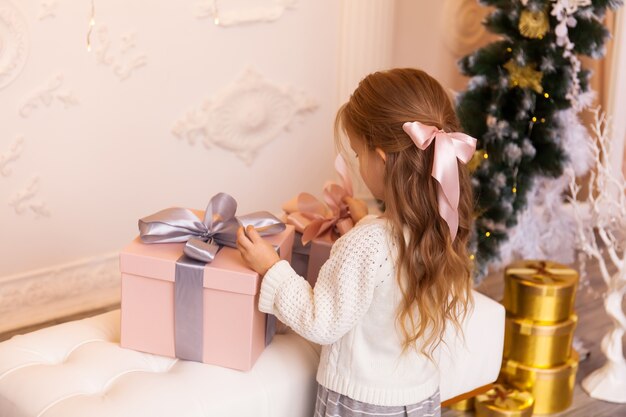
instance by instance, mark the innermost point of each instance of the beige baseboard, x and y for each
(44, 295)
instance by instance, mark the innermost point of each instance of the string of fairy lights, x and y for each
(92, 20)
(92, 23)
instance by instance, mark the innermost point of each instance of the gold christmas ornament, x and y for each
(524, 77)
(533, 25)
(538, 344)
(552, 388)
(502, 402)
(540, 291)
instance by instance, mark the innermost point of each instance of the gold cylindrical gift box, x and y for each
(511, 403)
(552, 388)
(538, 355)
(540, 290)
(539, 344)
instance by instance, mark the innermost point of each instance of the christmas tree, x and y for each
(522, 101)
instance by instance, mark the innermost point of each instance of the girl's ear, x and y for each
(382, 154)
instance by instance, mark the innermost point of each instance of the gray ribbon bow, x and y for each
(204, 238)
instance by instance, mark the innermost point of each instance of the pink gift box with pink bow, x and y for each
(319, 224)
(158, 303)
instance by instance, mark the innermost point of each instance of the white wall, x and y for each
(100, 143)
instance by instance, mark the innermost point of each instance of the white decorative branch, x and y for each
(10, 156)
(126, 61)
(224, 16)
(22, 201)
(47, 9)
(244, 116)
(14, 43)
(601, 235)
(47, 95)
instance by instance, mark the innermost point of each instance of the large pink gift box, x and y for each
(233, 328)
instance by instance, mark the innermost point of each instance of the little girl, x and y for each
(393, 284)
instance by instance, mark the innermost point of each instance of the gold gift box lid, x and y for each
(542, 276)
(513, 368)
(528, 327)
(500, 402)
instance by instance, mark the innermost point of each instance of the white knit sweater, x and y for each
(352, 313)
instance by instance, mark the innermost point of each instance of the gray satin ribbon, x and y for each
(202, 242)
(270, 328)
(188, 301)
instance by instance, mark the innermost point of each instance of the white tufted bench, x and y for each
(79, 369)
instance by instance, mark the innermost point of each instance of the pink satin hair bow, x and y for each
(448, 148)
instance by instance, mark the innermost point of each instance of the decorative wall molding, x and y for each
(224, 16)
(14, 43)
(47, 9)
(11, 155)
(244, 116)
(462, 20)
(24, 201)
(123, 62)
(48, 95)
(46, 294)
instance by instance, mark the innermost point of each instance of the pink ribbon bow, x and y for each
(315, 219)
(448, 148)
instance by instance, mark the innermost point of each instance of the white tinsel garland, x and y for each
(546, 227)
(574, 139)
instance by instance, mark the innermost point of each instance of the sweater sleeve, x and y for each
(342, 294)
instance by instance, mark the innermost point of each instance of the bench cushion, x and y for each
(79, 369)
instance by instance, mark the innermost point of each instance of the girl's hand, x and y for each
(358, 208)
(257, 253)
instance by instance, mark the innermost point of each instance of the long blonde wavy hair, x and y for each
(434, 273)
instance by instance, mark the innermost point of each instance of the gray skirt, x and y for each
(331, 404)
